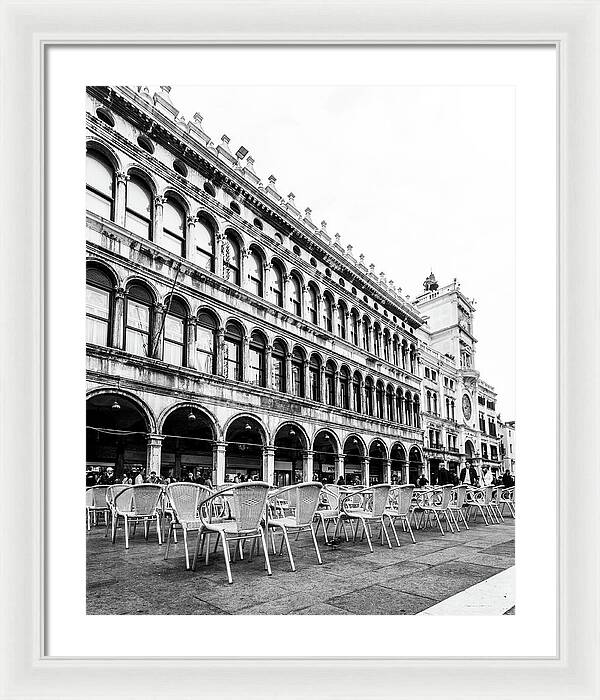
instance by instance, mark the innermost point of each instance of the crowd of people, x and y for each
(468, 475)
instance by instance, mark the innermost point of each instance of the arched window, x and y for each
(389, 402)
(206, 337)
(354, 327)
(175, 333)
(173, 227)
(205, 245)
(278, 358)
(138, 321)
(313, 305)
(417, 413)
(255, 273)
(277, 288)
(377, 340)
(138, 208)
(298, 372)
(330, 383)
(295, 295)
(366, 334)
(379, 400)
(341, 326)
(435, 403)
(344, 388)
(100, 185)
(233, 352)
(386, 345)
(428, 402)
(231, 260)
(327, 313)
(356, 398)
(314, 370)
(413, 359)
(369, 396)
(399, 406)
(395, 351)
(98, 306)
(257, 359)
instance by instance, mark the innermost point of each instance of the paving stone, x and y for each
(321, 609)
(367, 601)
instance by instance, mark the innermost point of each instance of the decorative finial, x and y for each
(225, 141)
(307, 213)
(361, 257)
(250, 163)
(272, 180)
(291, 197)
(198, 119)
(372, 268)
(337, 238)
(349, 249)
(324, 225)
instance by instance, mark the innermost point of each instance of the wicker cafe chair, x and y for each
(302, 500)
(95, 502)
(137, 503)
(111, 493)
(399, 506)
(457, 505)
(365, 507)
(437, 503)
(328, 510)
(246, 505)
(495, 502)
(479, 502)
(184, 500)
(507, 498)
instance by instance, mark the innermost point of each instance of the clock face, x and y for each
(466, 406)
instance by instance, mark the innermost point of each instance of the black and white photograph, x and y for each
(300, 350)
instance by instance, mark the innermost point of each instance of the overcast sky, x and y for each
(416, 178)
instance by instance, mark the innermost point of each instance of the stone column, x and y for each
(269, 367)
(157, 334)
(153, 453)
(304, 301)
(118, 326)
(220, 349)
(387, 471)
(306, 379)
(339, 465)
(219, 449)
(364, 464)
(269, 464)
(120, 197)
(336, 389)
(363, 397)
(219, 247)
(244, 253)
(245, 358)
(322, 384)
(307, 465)
(192, 355)
(191, 242)
(288, 372)
(157, 228)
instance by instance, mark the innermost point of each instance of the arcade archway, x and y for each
(415, 465)
(188, 444)
(244, 452)
(325, 449)
(377, 463)
(398, 464)
(290, 447)
(354, 455)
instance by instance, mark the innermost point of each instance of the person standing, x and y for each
(507, 480)
(486, 477)
(108, 478)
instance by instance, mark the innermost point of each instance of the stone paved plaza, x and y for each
(351, 581)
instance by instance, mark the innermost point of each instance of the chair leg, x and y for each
(197, 549)
(412, 537)
(87, 516)
(126, 533)
(185, 546)
(146, 528)
(115, 523)
(366, 531)
(314, 538)
(226, 556)
(462, 515)
(159, 530)
(438, 522)
(289, 549)
(266, 552)
(384, 529)
(207, 553)
(394, 531)
(448, 522)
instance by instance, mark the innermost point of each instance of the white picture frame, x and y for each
(28, 30)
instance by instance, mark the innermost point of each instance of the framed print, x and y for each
(308, 316)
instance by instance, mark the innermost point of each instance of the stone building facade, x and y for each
(227, 333)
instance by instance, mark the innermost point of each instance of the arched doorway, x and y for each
(399, 463)
(354, 454)
(377, 463)
(325, 451)
(469, 452)
(188, 444)
(116, 433)
(415, 464)
(290, 444)
(244, 453)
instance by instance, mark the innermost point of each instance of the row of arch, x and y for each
(132, 319)
(122, 430)
(166, 218)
